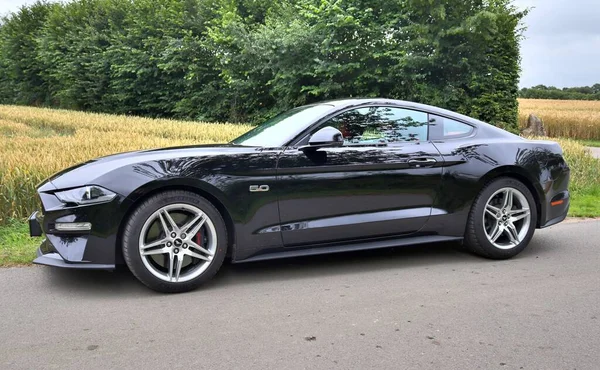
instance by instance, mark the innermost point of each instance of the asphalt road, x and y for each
(428, 307)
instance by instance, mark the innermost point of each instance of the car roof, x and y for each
(346, 103)
(342, 103)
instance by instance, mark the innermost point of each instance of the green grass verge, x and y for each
(16, 247)
(586, 203)
(595, 143)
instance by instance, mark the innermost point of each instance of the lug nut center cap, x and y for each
(177, 242)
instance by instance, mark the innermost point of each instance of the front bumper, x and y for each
(90, 249)
(35, 229)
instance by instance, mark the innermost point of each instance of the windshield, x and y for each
(282, 128)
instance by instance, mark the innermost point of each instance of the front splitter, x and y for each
(55, 260)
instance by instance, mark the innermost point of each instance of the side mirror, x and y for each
(326, 137)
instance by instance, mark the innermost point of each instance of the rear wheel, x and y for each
(502, 220)
(175, 241)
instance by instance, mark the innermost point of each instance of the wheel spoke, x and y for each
(163, 224)
(154, 244)
(512, 233)
(199, 248)
(179, 264)
(508, 199)
(492, 211)
(196, 255)
(170, 272)
(197, 223)
(163, 250)
(164, 215)
(496, 232)
(519, 214)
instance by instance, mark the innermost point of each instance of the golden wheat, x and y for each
(575, 119)
(35, 143)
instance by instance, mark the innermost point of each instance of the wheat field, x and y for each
(574, 119)
(36, 143)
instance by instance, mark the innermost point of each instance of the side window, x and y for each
(454, 128)
(380, 125)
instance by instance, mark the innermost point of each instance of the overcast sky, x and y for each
(562, 45)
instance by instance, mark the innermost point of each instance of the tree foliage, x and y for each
(245, 60)
(566, 93)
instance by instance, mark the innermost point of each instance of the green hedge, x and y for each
(244, 60)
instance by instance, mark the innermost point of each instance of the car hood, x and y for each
(88, 172)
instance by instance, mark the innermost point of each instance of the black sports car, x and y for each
(331, 177)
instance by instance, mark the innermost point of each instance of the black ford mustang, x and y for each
(329, 177)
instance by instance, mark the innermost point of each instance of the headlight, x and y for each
(85, 195)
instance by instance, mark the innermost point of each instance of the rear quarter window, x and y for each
(454, 128)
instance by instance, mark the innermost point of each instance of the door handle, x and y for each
(422, 162)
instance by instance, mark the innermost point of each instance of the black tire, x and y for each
(476, 240)
(133, 228)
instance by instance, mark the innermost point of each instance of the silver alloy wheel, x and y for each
(506, 218)
(178, 242)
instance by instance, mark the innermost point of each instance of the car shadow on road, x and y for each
(341, 263)
(122, 282)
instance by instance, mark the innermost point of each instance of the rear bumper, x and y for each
(557, 209)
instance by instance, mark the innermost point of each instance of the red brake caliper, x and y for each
(199, 238)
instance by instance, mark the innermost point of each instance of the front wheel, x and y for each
(174, 241)
(502, 220)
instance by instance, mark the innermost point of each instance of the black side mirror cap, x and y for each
(326, 137)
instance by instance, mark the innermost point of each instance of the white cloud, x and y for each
(562, 45)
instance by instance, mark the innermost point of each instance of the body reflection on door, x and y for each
(346, 193)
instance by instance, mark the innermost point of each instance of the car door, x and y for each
(381, 183)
